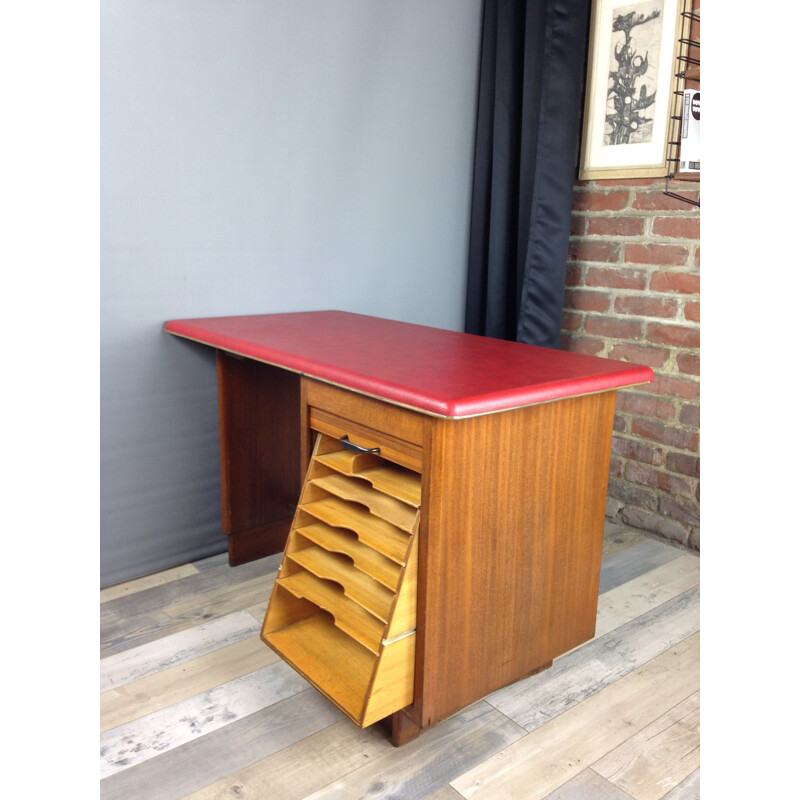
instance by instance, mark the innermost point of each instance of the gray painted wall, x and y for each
(261, 156)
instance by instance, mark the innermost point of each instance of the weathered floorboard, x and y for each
(170, 686)
(147, 582)
(302, 768)
(175, 725)
(236, 746)
(588, 785)
(557, 751)
(429, 762)
(168, 651)
(175, 643)
(583, 672)
(660, 756)
(627, 564)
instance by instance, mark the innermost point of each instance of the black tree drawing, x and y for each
(629, 99)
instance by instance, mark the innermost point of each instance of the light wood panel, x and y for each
(381, 505)
(359, 587)
(345, 632)
(380, 535)
(365, 558)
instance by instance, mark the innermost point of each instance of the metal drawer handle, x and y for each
(345, 442)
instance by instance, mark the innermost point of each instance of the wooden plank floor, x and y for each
(194, 706)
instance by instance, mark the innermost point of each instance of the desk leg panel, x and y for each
(510, 547)
(259, 421)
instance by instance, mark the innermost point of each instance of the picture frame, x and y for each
(630, 87)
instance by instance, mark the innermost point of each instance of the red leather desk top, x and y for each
(431, 370)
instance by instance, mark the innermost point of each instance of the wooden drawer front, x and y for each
(343, 610)
(367, 422)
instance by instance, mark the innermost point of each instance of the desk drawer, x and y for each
(343, 609)
(366, 422)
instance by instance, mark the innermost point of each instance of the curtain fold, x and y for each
(529, 98)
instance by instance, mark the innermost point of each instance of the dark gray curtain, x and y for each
(529, 102)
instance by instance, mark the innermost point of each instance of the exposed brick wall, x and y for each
(633, 294)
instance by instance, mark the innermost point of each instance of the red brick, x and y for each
(587, 346)
(632, 182)
(616, 226)
(697, 256)
(580, 300)
(577, 225)
(599, 201)
(638, 354)
(681, 282)
(673, 387)
(674, 335)
(613, 328)
(650, 476)
(631, 493)
(641, 473)
(650, 521)
(658, 201)
(616, 467)
(684, 464)
(656, 254)
(645, 405)
(688, 363)
(665, 434)
(677, 227)
(676, 484)
(646, 306)
(574, 275)
(619, 278)
(593, 251)
(682, 510)
(690, 415)
(637, 450)
(571, 321)
(620, 424)
(692, 312)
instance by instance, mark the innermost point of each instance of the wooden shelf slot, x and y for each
(387, 508)
(368, 560)
(382, 536)
(343, 609)
(329, 659)
(349, 617)
(348, 462)
(357, 586)
(398, 482)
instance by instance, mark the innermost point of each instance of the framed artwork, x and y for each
(629, 88)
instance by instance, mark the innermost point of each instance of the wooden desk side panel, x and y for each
(260, 472)
(510, 546)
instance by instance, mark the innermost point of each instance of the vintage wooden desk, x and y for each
(451, 493)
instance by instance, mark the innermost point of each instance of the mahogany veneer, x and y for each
(461, 556)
